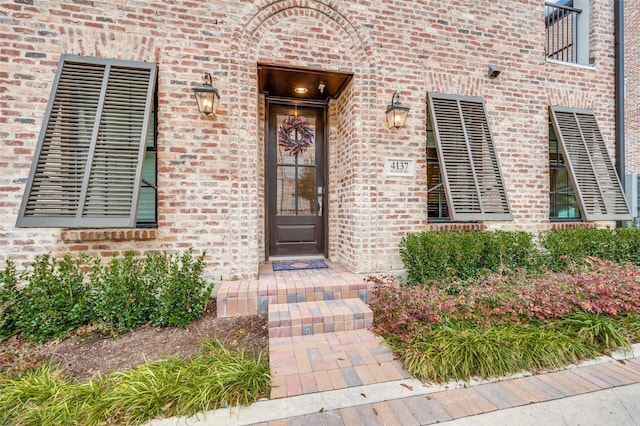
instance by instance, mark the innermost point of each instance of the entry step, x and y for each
(316, 317)
(254, 297)
(297, 291)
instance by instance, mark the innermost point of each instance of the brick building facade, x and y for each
(215, 174)
(632, 104)
(632, 73)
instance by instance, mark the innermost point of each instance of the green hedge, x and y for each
(463, 255)
(621, 245)
(433, 255)
(60, 295)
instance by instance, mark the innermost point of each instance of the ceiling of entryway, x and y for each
(283, 81)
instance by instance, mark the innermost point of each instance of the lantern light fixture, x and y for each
(396, 113)
(207, 96)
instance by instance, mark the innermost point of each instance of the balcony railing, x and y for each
(562, 37)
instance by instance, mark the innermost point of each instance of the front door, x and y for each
(295, 180)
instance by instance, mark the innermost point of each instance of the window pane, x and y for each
(151, 140)
(147, 198)
(555, 156)
(286, 186)
(431, 142)
(436, 201)
(306, 190)
(563, 203)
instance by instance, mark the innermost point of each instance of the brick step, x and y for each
(316, 317)
(240, 298)
(253, 297)
(305, 291)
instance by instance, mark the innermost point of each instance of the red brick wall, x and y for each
(211, 169)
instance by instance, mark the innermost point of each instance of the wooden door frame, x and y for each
(324, 105)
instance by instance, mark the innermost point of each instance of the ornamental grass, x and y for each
(218, 377)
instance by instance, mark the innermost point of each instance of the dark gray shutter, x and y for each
(468, 161)
(88, 162)
(591, 170)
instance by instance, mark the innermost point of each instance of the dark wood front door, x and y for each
(295, 180)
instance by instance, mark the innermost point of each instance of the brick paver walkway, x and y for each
(444, 405)
(304, 364)
(322, 362)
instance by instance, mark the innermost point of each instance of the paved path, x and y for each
(317, 363)
(605, 391)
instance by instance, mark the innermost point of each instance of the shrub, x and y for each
(462, 255)
(181, 294)
(123, 292)
(9, 295)
(600, 288)
(162, 289)
(564, 247)
(434, 255)
(399, 310)
(499, 324)
(55, 299)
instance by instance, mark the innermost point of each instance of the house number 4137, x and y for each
(399, 167)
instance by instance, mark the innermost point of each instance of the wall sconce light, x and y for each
(207, 96)
(396, 113)
(493, 71)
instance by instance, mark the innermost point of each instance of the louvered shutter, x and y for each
(88, 162)
(468, 161)
(591, 170)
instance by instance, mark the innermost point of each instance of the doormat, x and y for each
(294, 265)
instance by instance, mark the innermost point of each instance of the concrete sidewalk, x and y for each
(616, 406)
(605, 391)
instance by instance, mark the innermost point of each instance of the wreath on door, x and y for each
(295, 135)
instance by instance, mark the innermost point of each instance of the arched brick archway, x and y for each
(305, 34)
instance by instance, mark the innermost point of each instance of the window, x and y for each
(593, 178)
(562, 196)
(567, 28)
(436, 198)
(465, 168)
(97, 136)
(632, 188)
(147, 216)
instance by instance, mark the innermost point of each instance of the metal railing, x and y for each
(560, 21)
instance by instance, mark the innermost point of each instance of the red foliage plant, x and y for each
(599, 287)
